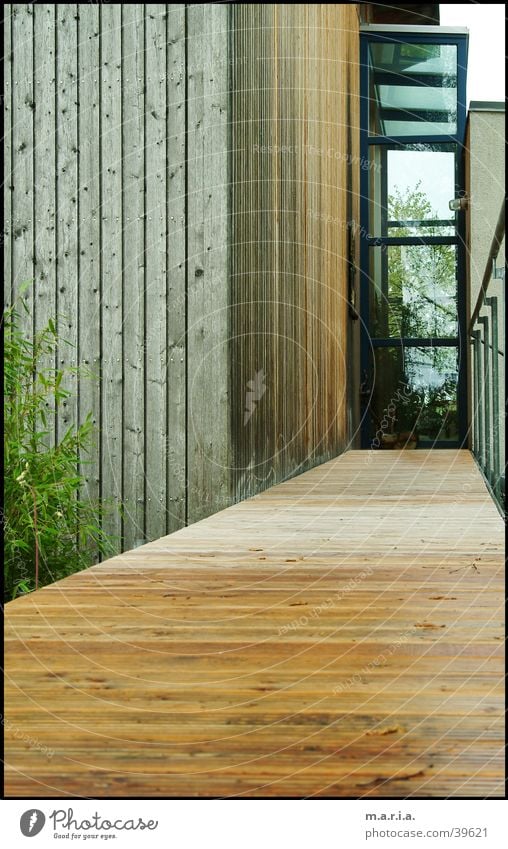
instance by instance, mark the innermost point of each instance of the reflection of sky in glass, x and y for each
(433, 69)
(420, 368)
(435, 170)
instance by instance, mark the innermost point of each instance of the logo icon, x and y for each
(257, 389)
(32, 822)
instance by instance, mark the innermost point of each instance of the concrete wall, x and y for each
(485, 184)
(486, 180)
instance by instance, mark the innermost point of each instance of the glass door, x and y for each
(413, 352)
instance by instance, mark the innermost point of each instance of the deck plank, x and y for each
(337, 635)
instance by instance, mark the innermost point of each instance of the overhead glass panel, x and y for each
(410, 187)
(415, 395)
(412, 89)
(413, 291)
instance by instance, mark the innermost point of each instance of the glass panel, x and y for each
(410, 187)
(413, 89)
(414, 398)
(413, 291)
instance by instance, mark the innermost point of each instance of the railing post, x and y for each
(496, 470)
(484, 320)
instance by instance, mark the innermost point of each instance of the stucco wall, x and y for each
(485, 185)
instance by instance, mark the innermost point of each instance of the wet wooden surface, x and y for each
(338, 635)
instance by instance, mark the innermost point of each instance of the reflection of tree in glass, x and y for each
(438, 418)
(415, 392)
(416, 300)
(430, 411)
(421, 278)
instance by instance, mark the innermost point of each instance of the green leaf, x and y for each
(73, 539)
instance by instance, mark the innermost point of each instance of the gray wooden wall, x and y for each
(116, 193)
(184, 264)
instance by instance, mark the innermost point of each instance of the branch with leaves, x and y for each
(51, 529)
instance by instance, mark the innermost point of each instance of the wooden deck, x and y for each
(338, 635)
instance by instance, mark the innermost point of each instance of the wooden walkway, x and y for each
(338, 635)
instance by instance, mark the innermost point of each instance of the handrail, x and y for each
(487, 275)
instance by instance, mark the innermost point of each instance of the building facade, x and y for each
(182, 193)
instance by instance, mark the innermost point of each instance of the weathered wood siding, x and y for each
(295, 185)
(178, 181)
(208, 257)
(116, 200)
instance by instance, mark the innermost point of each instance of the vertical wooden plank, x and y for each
(276, 104)
(304, 189)
(237, 83)
(256, 235)
(156, 286)
(8, 177)
(285, 389)
(23, 107)
(259, 336)
(315, 159)
(250, 342)
(89, 283)
(319, 174)
(176, 294)
(243, 187)
(67, 206)
(353, 95)
(111, 263)
(270, 228)
(208, 193)
(45, 173)
(133, 84)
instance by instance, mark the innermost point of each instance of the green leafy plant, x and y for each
(50, 528)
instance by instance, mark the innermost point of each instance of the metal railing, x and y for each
(487, 332)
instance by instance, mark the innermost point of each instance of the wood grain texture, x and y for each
(89, 233)
(22, 180)
(97, 222)
(338, 635)
(67, 153)
(294, 146)
(8, 155)
(112, 299)
(176, 347)
(184, 264)
(208, 258)
(133, 144)
(156, 269)
(45, 213)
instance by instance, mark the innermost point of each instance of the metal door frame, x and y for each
(405, 35)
